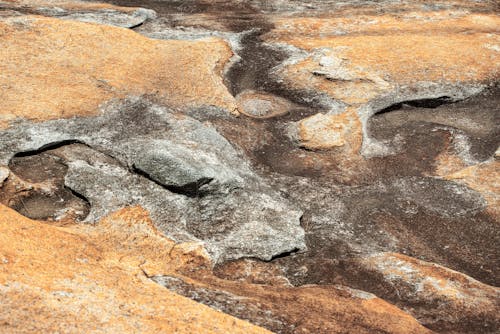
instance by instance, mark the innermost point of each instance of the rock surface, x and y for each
(436, 294)
(305, 166)
(260, 105)
(183, 171)
(79, 280)
(372, 62)
(133, 66)
(125, 17)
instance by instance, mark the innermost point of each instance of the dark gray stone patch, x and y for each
(236, 213)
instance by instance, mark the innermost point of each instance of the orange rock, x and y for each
(448, 163)
(131, 233)
(318, 309)
(402, 49)
(320, 132)
(57, 69)
(83, 278)
(64, 4)
(55, 279)
(373, 61)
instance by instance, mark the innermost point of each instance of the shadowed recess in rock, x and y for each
(37, 189)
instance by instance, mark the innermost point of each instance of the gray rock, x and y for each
(196, 185)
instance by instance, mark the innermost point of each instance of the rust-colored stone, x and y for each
(59, 69)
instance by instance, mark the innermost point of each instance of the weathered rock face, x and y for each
(306, 166)
(282, 308)
(126, 17)
(83, 280)
(323, 132)
(194, 183)
(375, 61)
(436, 294)
(133, 66)
(484, 178)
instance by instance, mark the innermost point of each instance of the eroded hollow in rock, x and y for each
(429, 126)
(37, 189)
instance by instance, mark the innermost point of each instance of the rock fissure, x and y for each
(190, 189)
(422, 103)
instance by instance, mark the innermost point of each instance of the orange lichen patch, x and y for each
(131, 234)
(55, 279)
(361, 58)
(329, 70)
(406, 23)
(321, 132)
(484, 178)
(447, 163)
(57, 69)
(408, 59)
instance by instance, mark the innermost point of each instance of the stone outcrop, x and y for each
(183, 171)
(249, 166)
(79, 280)
(100, 273)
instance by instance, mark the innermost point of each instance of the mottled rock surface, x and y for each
(126, 17)
(304, 166)
(191, 179)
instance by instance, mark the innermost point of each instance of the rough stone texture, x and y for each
(320, 132)
(282, 309)
(141, 153)
(83, 279)
(90, 276)
(436, 294)
(125, 17)
(374, 61)
(66, 57)
(484, 178)
(274, 216)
